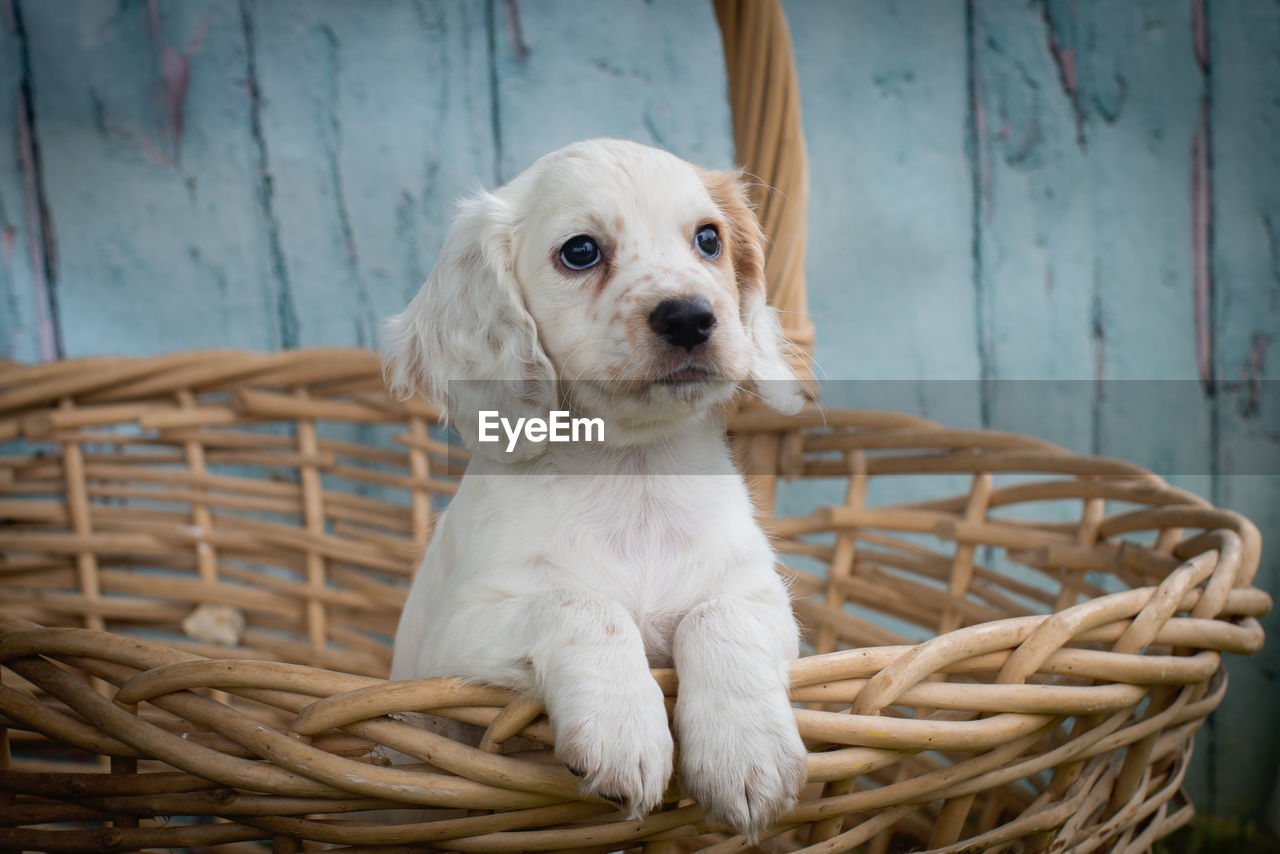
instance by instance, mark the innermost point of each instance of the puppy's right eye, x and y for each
(580, 252)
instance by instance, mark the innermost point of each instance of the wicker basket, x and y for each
(1069, 665)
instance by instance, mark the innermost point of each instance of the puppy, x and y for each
(613, 281)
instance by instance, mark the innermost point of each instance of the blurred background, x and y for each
(1003, 192)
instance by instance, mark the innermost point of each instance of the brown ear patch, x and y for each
(745, 240)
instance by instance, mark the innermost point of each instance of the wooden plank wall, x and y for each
(1004, 190)
(1079, 191)
(268, 174)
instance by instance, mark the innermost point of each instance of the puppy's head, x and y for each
(609, 272)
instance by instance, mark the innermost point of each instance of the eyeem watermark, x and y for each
(558, 426)
(1170, 427)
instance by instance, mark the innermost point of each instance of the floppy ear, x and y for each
(773, 379)
(466, 342)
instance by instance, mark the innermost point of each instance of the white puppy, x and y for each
(615, 281)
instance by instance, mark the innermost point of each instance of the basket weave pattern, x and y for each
(983, 675)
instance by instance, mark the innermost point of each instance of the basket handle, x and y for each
(764, 96)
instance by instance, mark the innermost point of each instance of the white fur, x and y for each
(564, 571)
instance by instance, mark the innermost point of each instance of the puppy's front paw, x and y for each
(744, 763)
(620, 745)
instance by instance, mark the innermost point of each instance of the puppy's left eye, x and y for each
(707, 239)
(580, 252)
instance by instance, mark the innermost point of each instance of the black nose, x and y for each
(684, 322)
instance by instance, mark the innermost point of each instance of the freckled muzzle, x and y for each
(684, 323)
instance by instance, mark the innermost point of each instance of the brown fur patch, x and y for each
(744, 241)
(602, 277)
